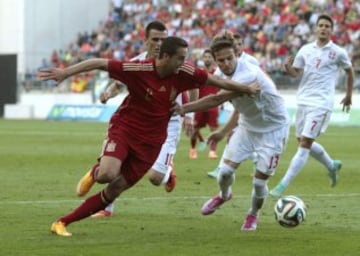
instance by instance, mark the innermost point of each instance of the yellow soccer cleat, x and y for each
(58, 228)
(85, 184)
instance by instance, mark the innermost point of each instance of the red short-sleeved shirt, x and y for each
(145, 111)
(209, 116)
(207, 90)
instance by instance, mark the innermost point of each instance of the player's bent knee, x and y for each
(226, 174)
(106, 175)
(155, 177)
(226, 171)
(155, 181)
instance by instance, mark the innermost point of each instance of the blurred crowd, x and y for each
(271, 30)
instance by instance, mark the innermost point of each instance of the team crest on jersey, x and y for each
(332, 55)
(110, 147)
(149, 94)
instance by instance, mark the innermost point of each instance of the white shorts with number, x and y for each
(168, 149)
(268, 146)
(311, 122)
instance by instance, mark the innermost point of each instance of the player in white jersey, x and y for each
(263, 127)
(242, 56)
(319, 63)
(162, 172)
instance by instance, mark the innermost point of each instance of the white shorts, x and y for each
(311, 122)
(268, 147)
(168, 149)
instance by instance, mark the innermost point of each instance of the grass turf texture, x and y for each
(42, 161)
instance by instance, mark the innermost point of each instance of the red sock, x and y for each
(200, 137)
(213, 146)
(193, 140)
(90, 206)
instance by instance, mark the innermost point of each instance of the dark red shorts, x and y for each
(136, 156)
(209, 117)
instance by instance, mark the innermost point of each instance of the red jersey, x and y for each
(145, 112)
(208, 90)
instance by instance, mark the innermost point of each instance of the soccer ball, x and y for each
(290, 211)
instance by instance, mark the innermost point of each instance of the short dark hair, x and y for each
(156, 25)
(206, 51)
(325, 17)
(170, 45)
(221, 41)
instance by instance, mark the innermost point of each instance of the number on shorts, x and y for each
(314, 123)
(169, 158)
(274, 161)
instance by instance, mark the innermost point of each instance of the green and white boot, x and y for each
(278, 190)
(214, 173)
(334, 173)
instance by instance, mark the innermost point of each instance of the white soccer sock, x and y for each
(166, 176)
(110, 207)
(258, 195)
(319, 153)
(225, 180)
(297, 162)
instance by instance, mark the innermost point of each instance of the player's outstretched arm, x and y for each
(219, 134)
(59, 74)
(231, 123)
(111, 91)
(207, 102)
(227, 84)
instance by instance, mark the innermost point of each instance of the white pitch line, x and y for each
(162, 198)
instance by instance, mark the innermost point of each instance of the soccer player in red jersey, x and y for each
(208, 117)
(137, 129)
(163, 170)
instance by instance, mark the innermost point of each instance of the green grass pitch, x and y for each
(41, 163)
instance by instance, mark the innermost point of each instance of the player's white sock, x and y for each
(166, 176)
(258, 195)
(320, 154)
(297, 163)
(110, 207)
(226, 179)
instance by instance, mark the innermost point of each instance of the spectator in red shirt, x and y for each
(208, 117)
